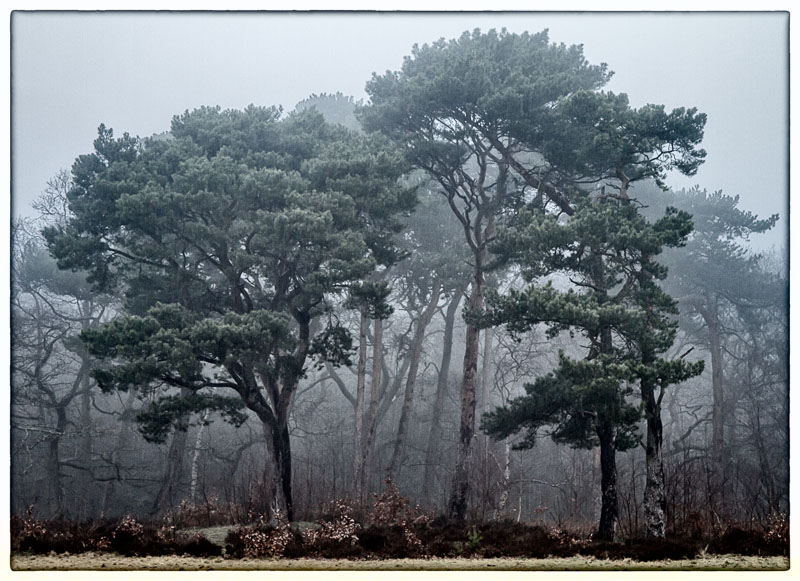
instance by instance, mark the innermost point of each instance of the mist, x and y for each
(283, 268)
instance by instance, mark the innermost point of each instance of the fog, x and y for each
(466, 302)
(134, 71)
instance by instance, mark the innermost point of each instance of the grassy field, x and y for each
(113, 562)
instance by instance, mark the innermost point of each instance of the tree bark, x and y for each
(461, 478)
(283, 462)
(505, 483)
(435, 434)
(484, 442)
(361, 380)
(408, 399)
(195, 470)
(478, 236)
(655, 497)
(609, 509)
(486, 370)
(374, 400)
(274, 416)
(607, 435)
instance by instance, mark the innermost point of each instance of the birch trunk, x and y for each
(505, 483)
(196, 458)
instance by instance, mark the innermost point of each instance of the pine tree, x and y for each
(229, 237)
(453, 107)
(605, 251)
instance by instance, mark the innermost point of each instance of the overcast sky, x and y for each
(134, 71)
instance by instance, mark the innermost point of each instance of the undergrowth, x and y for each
(391, 528)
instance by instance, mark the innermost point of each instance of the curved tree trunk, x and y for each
(274, 416)
(283, 460)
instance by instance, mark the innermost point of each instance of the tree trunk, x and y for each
(461, 478)
(606, 433)
(173, 471)
(374, 400)
(194, 473)
(486, 368)
(116, 451)
(282, 465)
(53, 482)
(85, 450)
(655, 497)
(275, 416)
(361, 380)
(408, 399)
(505, 483)
(718, 410)
(608, 483)
(435, 435)
(485, 442)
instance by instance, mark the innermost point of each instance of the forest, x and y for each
(463, 317)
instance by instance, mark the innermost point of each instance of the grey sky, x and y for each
(134, 71)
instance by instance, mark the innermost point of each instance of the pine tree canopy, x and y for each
(227, 238)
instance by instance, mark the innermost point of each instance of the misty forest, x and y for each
(463, 316)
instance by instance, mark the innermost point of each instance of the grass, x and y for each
(114, 562)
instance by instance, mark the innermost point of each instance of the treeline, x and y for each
(483, 258)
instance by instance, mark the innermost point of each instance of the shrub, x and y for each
(127, 536)
(261, 540)
(392, 509)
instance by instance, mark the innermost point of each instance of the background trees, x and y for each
(726, 292)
